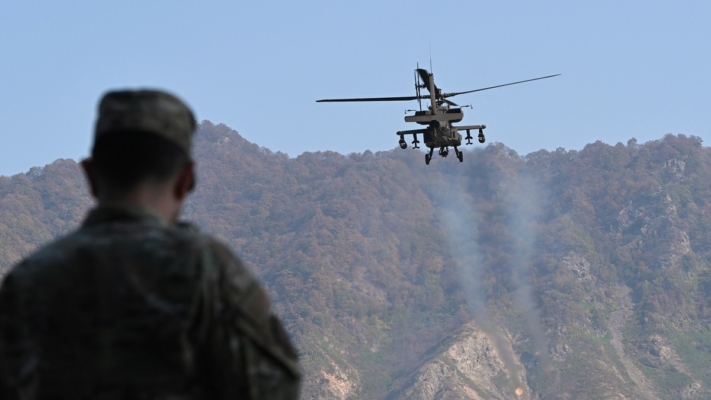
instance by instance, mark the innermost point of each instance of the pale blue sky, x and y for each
(630, 69)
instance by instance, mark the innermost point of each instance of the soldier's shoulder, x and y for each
(20, 276)
(53, 252)
(180, 239)
(192, 233)
(224, 265)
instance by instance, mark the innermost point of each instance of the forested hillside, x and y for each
(565, 274)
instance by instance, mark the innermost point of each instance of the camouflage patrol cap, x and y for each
(150, 111)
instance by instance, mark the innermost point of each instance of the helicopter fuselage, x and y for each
(439, 130)
(440, 133)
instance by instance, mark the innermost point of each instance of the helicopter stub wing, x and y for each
(404, 98)
(411, 132)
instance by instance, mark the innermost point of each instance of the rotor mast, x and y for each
(433, 92)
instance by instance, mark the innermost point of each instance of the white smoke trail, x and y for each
(462, 234)
(461, 224)
(526, 200)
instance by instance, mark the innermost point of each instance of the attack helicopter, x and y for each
(439, 116)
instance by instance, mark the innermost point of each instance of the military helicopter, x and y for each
(439, 116)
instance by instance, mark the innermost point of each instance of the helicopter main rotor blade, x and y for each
(451, 103)
(406, 98)
(497, 86)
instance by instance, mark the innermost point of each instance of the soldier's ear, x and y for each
(186, 181)
(88, 166)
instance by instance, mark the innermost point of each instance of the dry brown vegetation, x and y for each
(365, 267)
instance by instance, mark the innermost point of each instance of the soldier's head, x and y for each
(142, 150)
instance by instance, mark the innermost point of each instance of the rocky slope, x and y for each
(467, 365)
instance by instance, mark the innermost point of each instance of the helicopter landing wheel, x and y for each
(460, 156)
(427, 159)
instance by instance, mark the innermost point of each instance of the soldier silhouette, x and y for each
(134, 304)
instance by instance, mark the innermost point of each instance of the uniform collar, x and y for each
(104, 214)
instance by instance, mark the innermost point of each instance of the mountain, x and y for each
(564, 274)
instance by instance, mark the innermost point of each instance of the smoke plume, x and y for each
(526, 207)
(461, 224)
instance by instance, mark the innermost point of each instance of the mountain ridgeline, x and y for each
(556, 275)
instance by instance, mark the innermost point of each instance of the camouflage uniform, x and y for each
(129, 307)
(132, 307)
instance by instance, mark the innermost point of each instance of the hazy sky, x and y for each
(630, 69)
